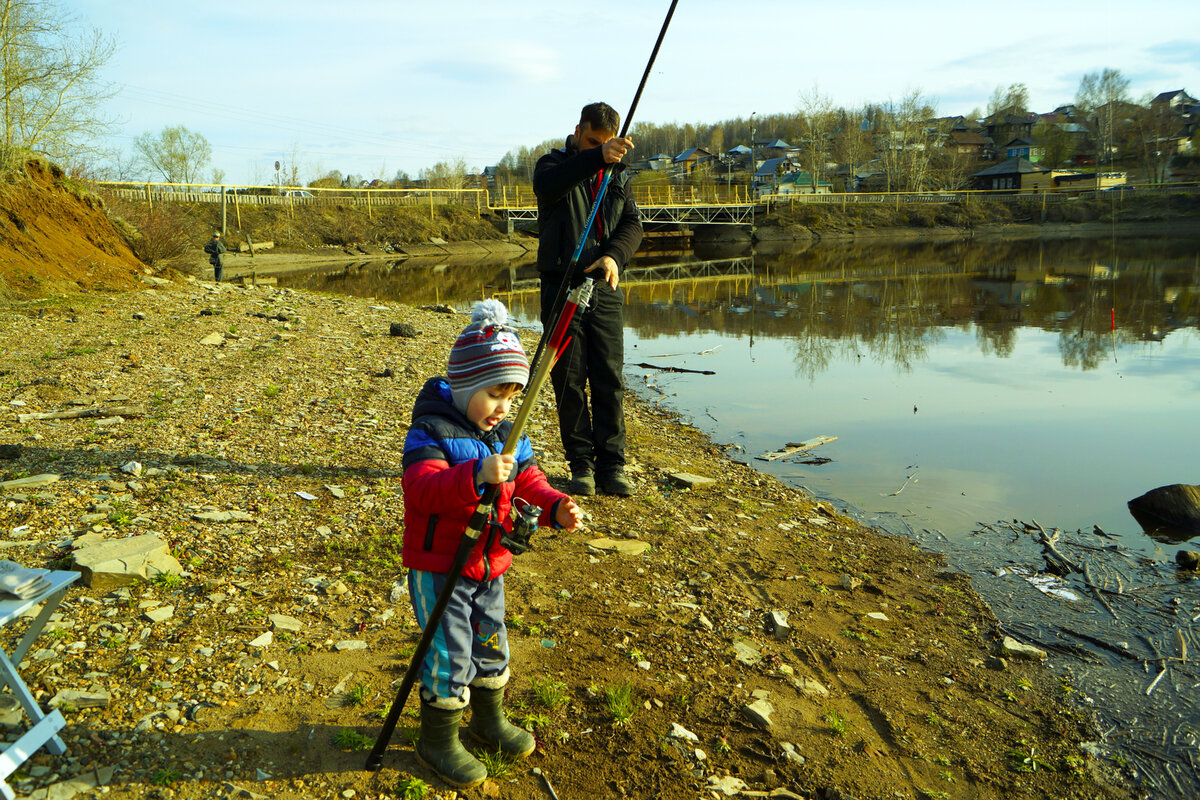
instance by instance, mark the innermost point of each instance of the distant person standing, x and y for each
(566, 183)
(216, 255)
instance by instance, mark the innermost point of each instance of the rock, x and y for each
(878, 616)
(132, 468)
(79, 699)
(11, 713)
(222, 517)
(350, 644)
(32, 482)
(403, 329)
(759, 712)
(810, 687)
(680, 732)
(1178, 505)
(160, 614)
(746, 654)
(336, 491)
(777, 624)
(690, 481)
(849, 582)
(1012, 647)
(789, 753)
(263, 640)
(1187, 559)
(282, 622)
(120, 562)
(728, 786)
(336, 588)
(213, 339)
(629, 547)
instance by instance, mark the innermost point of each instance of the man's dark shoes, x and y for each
(582, 483)
(614, 483)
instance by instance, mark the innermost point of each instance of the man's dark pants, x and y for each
(592, 438)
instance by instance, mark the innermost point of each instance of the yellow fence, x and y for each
(291, 195)
(522, 197)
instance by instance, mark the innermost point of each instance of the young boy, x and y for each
(451, 453)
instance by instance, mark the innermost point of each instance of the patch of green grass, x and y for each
(350, 739)
(410, 788)
(535, 722)
(550, 693)
(359, 694)
(165, 776)
(620, 701)
(498, 765)
(167, 580)
(837, 723)
(849, 634)
(272, 390)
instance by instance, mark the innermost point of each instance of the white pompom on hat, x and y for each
(487, 352)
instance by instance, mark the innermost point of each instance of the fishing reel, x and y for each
(525, 522)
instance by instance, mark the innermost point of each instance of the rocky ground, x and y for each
(644, 655)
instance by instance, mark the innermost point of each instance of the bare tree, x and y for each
(1011, 100)
(50, 88)
(852, 145)
(818, 121)
(446, 175)
(906, 149)
(178, 154)
(1099, 96)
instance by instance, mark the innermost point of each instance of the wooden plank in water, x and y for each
(792, 448)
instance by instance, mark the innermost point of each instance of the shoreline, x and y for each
(306, 393)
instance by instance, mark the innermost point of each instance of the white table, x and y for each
(45, 728)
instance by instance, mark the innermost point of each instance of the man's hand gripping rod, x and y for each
(557, 343)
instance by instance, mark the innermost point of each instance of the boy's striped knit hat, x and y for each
(485, 354)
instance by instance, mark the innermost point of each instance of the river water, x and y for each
(965, 382)
(974, 389)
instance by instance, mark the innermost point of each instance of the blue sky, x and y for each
(375, 86)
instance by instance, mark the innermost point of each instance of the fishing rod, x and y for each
(564, 287)
(540, 368)
(558, 343)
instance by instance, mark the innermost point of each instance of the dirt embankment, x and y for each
(55, 237)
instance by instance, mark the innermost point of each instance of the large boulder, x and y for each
(109, 563)
(1177, 505)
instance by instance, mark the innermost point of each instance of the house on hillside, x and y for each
(1008, 175)
(774, 148)
(689, 159)
(801, 182)
(1022, 148)
(1175, 100)
(655, 163)
(1004, 127)
(971, 144)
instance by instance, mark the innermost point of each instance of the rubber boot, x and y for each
(489, 725)
(439, 749)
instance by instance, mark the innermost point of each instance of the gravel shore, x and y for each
(258, 433)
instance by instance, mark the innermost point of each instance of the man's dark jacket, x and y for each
(562, 182)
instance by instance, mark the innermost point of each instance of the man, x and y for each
(566, 182)
(216, 249)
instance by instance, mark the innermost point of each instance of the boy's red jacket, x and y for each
(442, 456)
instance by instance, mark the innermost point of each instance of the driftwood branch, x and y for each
(1058, 563)
(1091, 584)
(131, 410)
(644, 365)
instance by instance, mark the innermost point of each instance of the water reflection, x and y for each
(1031, 402)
